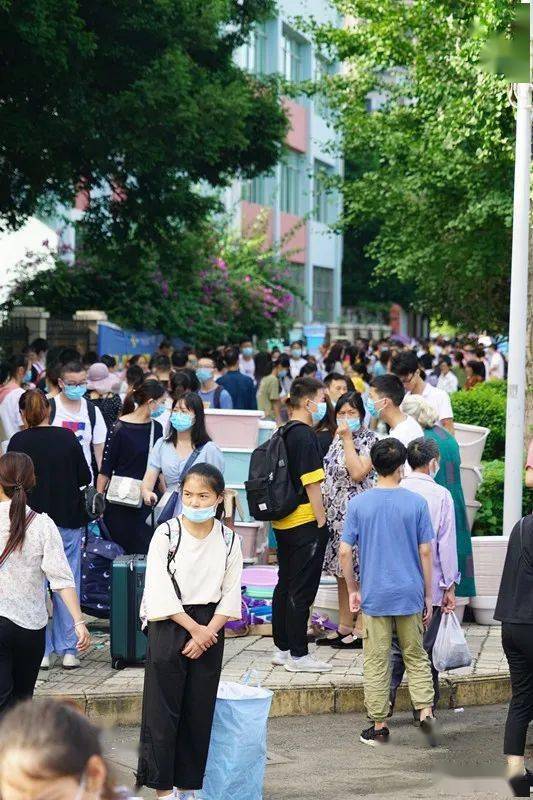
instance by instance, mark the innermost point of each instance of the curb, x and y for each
(124, 708)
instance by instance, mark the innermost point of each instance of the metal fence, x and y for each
(71, 333)
(14, 337)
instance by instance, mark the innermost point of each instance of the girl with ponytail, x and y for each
(126, 455)
(30, 546)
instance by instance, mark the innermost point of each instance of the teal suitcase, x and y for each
(128, 642)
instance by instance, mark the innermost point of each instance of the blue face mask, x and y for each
(75, 392)
(204, 374)
(320, 412)
(247, 351)
(296, 353)
(157, 411)
(282, 373)
(198, 514)
(353, 424)
(371, 408)
(181, 421)
(27, 377)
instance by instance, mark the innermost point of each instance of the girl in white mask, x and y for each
(50, 749)
(193, 587)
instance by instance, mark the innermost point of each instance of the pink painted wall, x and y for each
(297, 135)
(298, 240)
(250, 212)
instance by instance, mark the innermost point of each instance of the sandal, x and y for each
(338, 643)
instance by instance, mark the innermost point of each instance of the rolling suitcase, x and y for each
(128, 642)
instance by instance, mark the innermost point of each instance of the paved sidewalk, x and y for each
(115, 696)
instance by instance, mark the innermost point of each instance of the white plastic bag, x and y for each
(450, 650)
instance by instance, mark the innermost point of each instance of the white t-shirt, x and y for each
(204, 572)
(10, 415)
(247, 366)
(496, 368)
(296, 366)
(448, 383)
(407, 430)
(79, 423)
(439, 400)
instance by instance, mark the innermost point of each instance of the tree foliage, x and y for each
(438, 154)
(208, 286)
(137, 101)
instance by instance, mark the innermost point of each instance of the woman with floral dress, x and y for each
(349, 472)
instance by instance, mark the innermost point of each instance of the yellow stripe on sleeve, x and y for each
(313, 477)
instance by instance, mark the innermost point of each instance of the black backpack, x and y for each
(270, 491)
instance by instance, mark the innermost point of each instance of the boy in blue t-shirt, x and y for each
(392, 528)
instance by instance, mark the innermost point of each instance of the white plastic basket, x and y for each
(471, 440)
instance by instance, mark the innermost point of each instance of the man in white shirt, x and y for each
(246, 359)
(496, 364)
(406, 367)
(385, 398)
(447, 380)
(72, 412)
(297, 361)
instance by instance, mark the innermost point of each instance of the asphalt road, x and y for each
(320, 758)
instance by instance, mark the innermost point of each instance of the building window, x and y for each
(256, 190)
(298, 279)
(293, 173)
(324, 195)
(323, 68)
(322, 294)
(293, 53)
(255, 51)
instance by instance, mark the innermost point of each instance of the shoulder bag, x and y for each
(124, 491)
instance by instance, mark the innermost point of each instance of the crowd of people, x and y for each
(373, 459)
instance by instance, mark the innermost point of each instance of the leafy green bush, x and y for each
(484, 405)
(489, 519)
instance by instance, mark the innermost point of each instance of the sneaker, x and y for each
(280, 658)
(306, 664)
(45, 663)
(186, 795)
(521, 784)
(374, 738)
(70, 661)
(428, 728)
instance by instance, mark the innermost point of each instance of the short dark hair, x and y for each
(179, 358)
(160, 362)
(421, 451)
(308, 369)
(231, 356)
(389, 386)
(39, 345)
(245, 341)
(134, 376)
(336, 376)
(72, 366)
(445, 360)
(477, 367)
(387, 455)
(354, 400)
(165, 343)
(404, 363)
(302, 388)
(109, 361)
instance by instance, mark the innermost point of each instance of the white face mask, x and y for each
(434, 468)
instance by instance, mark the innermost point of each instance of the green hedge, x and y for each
(489, 518)
(485, 405)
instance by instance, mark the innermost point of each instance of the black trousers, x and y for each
(178, 705)
(21, 653)
(301, 553)
(398, 667)
(517, 640)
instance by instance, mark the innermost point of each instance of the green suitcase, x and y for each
(128, 642)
